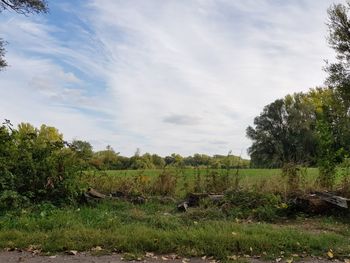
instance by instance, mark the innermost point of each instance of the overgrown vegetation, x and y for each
(36, 165)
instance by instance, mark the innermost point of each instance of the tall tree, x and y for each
(283, 133)
(339, 40)
(24, 7)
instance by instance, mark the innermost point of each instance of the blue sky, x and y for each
(163, 76)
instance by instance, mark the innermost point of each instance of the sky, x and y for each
(163, 76)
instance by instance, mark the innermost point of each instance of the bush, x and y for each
(36, 165)
(255, 205)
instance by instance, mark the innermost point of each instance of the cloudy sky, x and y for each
(164, 76)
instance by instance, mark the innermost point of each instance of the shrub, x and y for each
(255, 205)
(36, 165)
(165, 184)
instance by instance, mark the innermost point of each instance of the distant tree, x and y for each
(158, 161)
(24, 7)
(83, 151)
(169, 160)
(106, 159)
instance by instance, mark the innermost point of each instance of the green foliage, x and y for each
(255, 205)
(36, 165)
(165, 184)
(339, 40)
(12, 199)
(284, 132)
(343, 172)
(327, 155)
(293, 173)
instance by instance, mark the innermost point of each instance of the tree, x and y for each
(339, 40)
(24, 7)
(83, 149)
(284, 132)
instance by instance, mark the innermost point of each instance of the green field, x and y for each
(267, 180)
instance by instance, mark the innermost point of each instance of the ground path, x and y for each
(26, 257)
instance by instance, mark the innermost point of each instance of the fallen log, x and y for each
(94, 194)
(333, 199)
(320, 202)
(311, 204)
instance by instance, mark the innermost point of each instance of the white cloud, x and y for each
(208, 66)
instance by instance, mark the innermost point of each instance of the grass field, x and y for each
(267, 180)
(158, 227)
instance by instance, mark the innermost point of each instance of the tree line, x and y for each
(109, 159)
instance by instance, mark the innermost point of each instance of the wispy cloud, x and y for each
(165, 76)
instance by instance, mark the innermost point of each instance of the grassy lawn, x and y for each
(121, 226)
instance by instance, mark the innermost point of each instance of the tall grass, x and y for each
(194, 180)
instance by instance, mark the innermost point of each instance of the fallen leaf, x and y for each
(97, 248)
(330, 254)
(289, 260)
(164, 258)
(278, 259)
